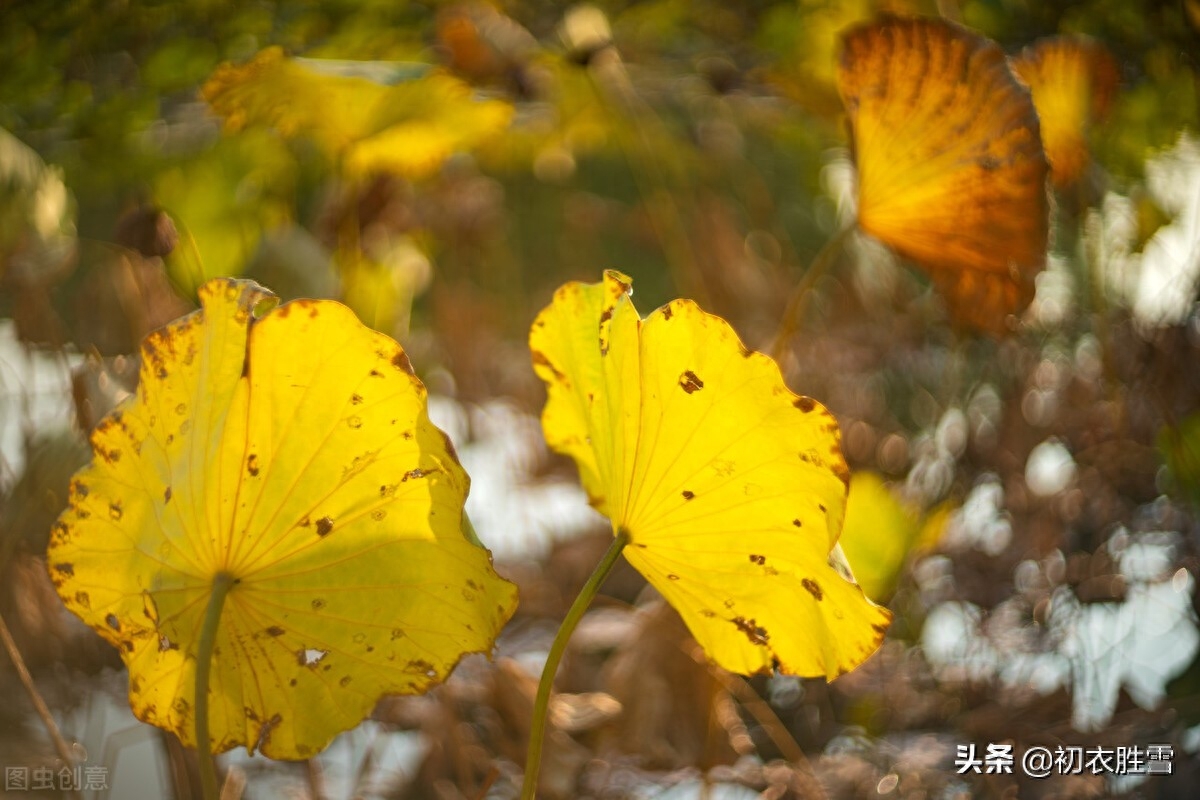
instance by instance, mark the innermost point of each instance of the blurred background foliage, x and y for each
(1024, 486)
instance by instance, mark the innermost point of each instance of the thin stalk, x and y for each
(795, 307)
(222, 583)
(39, 705)
(541, 706)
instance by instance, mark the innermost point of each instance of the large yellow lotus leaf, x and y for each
(409, 128)
(1073, 81)
(951, 172)
(730, 487)
(293, 453)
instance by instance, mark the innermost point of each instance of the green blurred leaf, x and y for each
(1179, 447)
(222, 201)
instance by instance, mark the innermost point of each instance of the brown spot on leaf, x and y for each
(822, 507)
(605, 315)
(354, 422)
(264, 733)
(668, 312)
(704, 612)
(317, 604)
(324, 526)
(419, 666)
(275, 630)
(344, 682)
(540, 360)
(400, 361)
(167, 495)
(65, 569)
(414, 474)
(292, 682)
(83, 599)
(375, 374)
(813, 588)
(449, 445)
(688, 495)
(671, 576)
(114, 510)
(112, 622)
(760, 560)
(252, 464)
(690, 382)
(754, 632)
(798, 523)
(378, 514)
(356, 399)
(805, 404)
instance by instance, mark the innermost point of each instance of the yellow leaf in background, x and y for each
(951, 172)
(878, 534)
(1073, 81)
(730, 487)
(881, 533)
(408, 129)
(381, 289)
(293, 453)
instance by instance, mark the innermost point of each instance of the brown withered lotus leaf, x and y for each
(951, 172)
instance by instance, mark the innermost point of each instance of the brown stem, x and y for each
(60, 744)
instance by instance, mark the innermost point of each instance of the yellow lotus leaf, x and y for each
(881, 533)
(1073, 81)
(951, 173)
(409, 128)
(878, 534)
(292, 453)
(730, 488)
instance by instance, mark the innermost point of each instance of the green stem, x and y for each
(222, 583)
(541, 706)
(793, 313)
